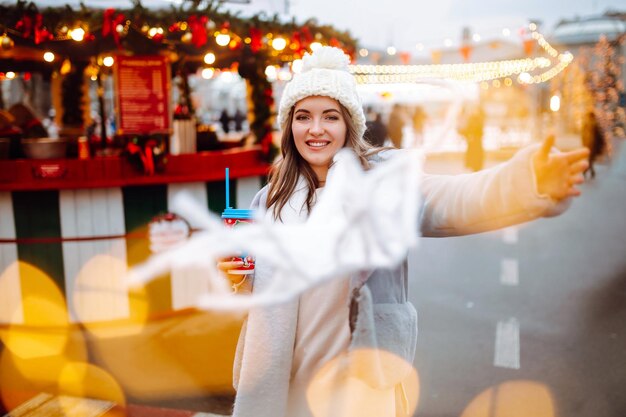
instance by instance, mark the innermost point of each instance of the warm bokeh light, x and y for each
(296, 66)
(513, 399)
(364, 383)
(99, 291)
(363, 52)
(194, 349)
(77, 34)
(279, 43)
(10, 75)
(108, 61)
(391, 50)
(37, 336)
(222, 39)
(48, 56)
(209, 58)
(555, 103)
(80, 379)
(271, 73)
(39, 327)
(207, 73)
(315, 46)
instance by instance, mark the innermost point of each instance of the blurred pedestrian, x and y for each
(27, 122)
(419, 119)
(239, 118)
(395, 126)
(473, 132)
(593, 139)
(9, 131)
(376, 133)
(225, 121)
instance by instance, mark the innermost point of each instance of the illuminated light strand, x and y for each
(470, 72)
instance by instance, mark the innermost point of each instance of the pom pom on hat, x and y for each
(326, 57)
(324, 73)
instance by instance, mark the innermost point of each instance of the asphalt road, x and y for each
(528, 321)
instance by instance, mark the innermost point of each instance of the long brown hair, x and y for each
(286, 171)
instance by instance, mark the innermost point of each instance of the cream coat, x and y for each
(383, 317)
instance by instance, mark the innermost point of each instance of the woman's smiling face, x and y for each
(319, 131)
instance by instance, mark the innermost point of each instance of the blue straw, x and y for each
(227, 190)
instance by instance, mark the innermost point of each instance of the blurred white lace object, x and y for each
(362, 220)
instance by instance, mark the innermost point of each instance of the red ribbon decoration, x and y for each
(256, 39)
(41, 33)
(110, 23)
(266, 142)
(25, 25)
(197, 27)
(145, 154)
(35, 28)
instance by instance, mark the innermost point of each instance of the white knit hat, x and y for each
(324, 73)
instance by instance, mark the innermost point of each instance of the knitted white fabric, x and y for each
(324, 73)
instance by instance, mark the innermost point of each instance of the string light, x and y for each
(77, 34)
(279, 43)
(108, 61)
(209, 58)
(519, 69)
(222, 39)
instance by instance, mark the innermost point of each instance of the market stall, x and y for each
(76, 207)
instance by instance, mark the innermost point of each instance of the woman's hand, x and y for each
(239, 282)
(558, 174)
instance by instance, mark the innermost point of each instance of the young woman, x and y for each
(281, 348)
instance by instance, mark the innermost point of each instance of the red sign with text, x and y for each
(142, 90)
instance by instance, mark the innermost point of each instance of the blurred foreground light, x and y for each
(209, 58)
(48, 56)
(513, 399)
(364, 383)
(476, 37)
(363, 52)
(391, 50)
(108, 61)
(10, 75)
(555, 103)
(315, 46)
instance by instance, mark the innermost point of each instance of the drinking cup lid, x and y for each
(231, 213)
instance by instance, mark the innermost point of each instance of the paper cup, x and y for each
(236, 218)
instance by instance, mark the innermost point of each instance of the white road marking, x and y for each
(507, 349)
(509, 272)
(509, 235)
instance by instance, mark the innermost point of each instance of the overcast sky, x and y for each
(405, 23)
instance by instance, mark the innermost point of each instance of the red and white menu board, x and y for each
(142, 94)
